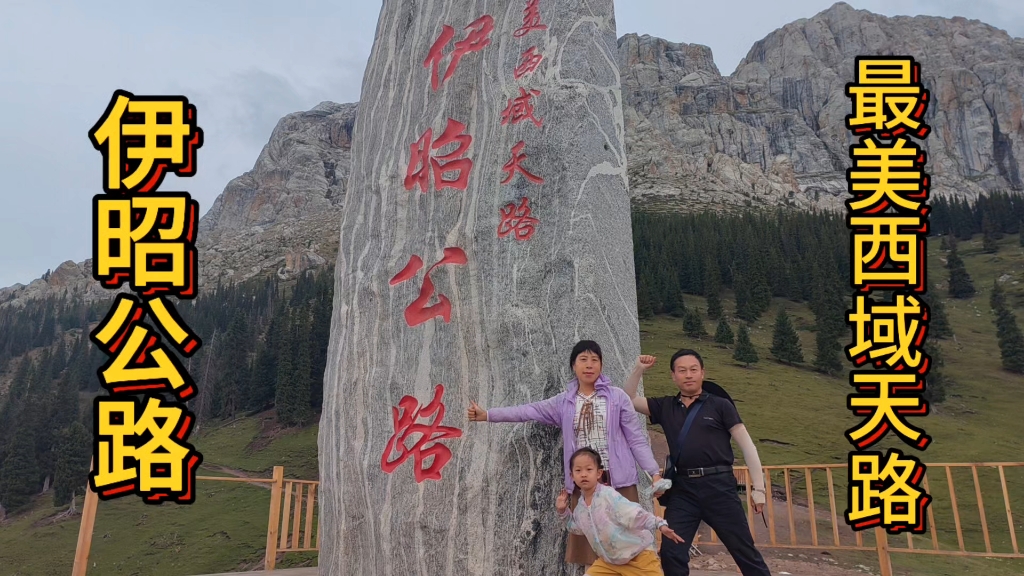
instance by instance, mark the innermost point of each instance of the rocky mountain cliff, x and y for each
(774, 132)
(284, 215)
(770, 134)
(281, 217)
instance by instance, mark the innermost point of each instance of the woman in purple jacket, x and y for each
(591, 413)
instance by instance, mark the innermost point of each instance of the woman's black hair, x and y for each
(584, 346)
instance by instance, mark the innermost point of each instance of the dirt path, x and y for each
(233, 472)
(718, 562)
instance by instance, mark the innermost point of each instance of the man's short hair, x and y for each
(680, 354)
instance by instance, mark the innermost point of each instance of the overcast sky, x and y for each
(245, 64)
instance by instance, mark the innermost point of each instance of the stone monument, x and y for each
(486, 230)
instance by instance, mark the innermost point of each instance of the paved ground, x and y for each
(288, 572)
(714, 561)
(313, 572)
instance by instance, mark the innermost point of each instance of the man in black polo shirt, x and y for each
(703, 485)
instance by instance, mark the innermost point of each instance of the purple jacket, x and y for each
(627, 446)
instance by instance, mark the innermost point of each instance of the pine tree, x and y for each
(303, 367)
(938, 321)
(963, 220)
(997, 299)
(36, 417)
(265, 365)
(760, 299)
(285, 393)
(264, 378)
(674, 304)
(292, 402)
(785, 342)
(321, 338)
(19, 476)
(11, 407)
(22, 380)
(745, 351)
(72, 467)
(988, 241)
(233, 366)
(829, 313)
(960, 284)
(694, 326)
(724, 335)
(741, 290)
(713, 290)
(937, 384)
(715, 310)
(644, 305)
(1011, 346)
(827, 357)
(65, 403)
(1008, 333)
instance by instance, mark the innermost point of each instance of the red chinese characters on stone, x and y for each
(520, 108)
(517, 220)
(405, 417)
(421, 164)
(418, 312)
(531, 19)
(528, 63)
(515, 165)
(476, 40)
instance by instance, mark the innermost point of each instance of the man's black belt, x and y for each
(699, 472)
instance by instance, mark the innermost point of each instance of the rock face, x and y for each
(774, 133)
(73, 279)
(702, 141)
(770, 134)
(517, 302)
(282, 216)
(975, 74)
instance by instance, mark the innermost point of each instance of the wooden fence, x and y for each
(793, 518)
(802, 514)
(288, 530)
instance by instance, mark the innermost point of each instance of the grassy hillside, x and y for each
(798, 415)
(224, 530)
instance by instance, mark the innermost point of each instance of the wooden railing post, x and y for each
(85, 530)
(882, 544)
(275, 518)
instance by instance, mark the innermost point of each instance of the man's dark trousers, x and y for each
(714, 500)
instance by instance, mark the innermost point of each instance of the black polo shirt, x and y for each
(708, 443)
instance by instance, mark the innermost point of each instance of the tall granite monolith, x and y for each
(486, 230)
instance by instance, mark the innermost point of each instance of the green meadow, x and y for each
(796, 415)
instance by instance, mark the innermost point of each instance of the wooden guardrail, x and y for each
(802, 488)
(285, 528)
(793, 516)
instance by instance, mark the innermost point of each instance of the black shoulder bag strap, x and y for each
(671, 470)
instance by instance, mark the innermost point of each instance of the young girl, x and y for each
(620, 531)
(591, 413)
